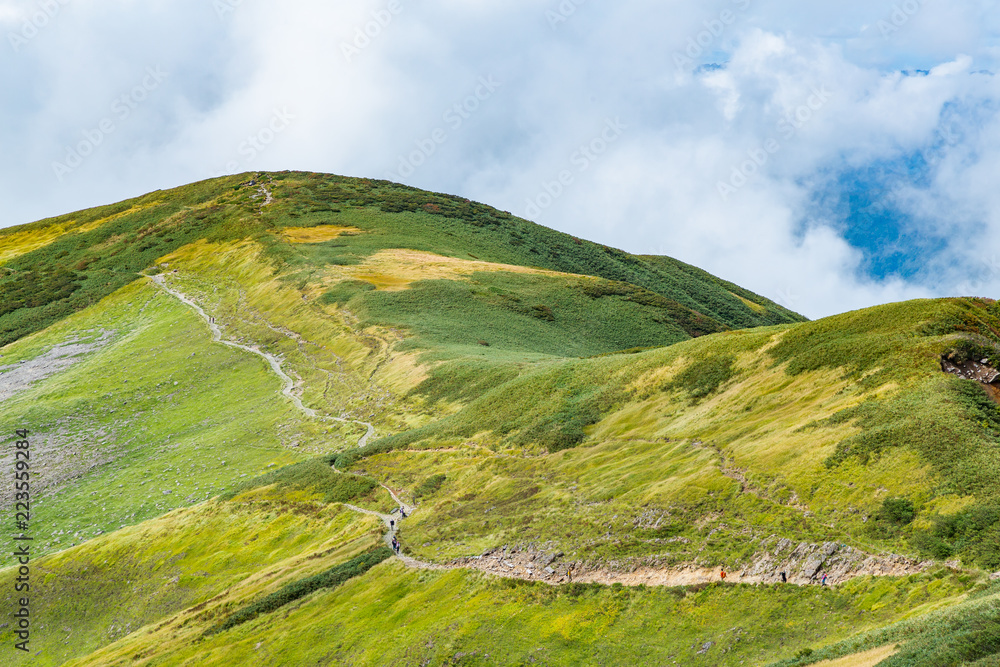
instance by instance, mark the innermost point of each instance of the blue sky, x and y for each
(828, 155)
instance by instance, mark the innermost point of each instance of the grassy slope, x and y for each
(822, 420)
(116, 448)
(55, 267)
(786, 418)
(670, 475)
(396, 616)
(452, 226)
(217, 553)
(966, 633)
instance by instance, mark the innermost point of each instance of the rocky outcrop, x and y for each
(802, 564)
(981, 371)
(808, 563)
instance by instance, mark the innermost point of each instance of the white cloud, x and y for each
(364, 86)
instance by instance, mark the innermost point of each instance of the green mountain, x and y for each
(230, 389)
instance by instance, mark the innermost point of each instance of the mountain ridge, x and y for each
(230, 428)
(50, 274)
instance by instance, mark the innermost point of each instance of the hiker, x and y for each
(402, 511)
(823, 583)
(392, 524)
(723, 574)
(784, 579)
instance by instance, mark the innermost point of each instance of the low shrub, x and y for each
(429, 486)
(298, 589)
(705, 376)
(316, 475)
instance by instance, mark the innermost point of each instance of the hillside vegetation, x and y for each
(58, 266)
(584, 439)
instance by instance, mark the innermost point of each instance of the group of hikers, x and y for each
(783, 575)
(392, 529)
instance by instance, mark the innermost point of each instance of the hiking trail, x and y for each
(805, 564)
(273, 361)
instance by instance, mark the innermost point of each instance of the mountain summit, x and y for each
(300, 419)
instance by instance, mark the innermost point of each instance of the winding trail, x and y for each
(536, 566)
(391, 529)
(288, 390)
(262, 191)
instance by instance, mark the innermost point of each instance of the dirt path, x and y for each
(289, 384)
(728, 468)
(262, 191)
(392, 526)
(842, 563)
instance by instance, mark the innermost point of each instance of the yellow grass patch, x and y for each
(942, 505)
(317, 234)
(756, 307)
(759, 421)
(866, 659)
(658, 377)
(403, 372)
(21, 243)
(397, 269)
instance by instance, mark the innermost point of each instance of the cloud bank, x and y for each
(829, 157)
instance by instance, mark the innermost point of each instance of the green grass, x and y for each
(117, 442)
(313, 476)
(106, 247)
(622, 412)
(965, 634)
(706, 376)
(391, 615)
(528, 314)
(409, 218)
(289, 593)
(925, 438)
(92, 595)
(76, 270)
(429, 486)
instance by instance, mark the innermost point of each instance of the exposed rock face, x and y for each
(807, 563)
(802, 564)
(980, 371)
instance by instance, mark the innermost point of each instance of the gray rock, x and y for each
(815, 561)
(783, 544)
